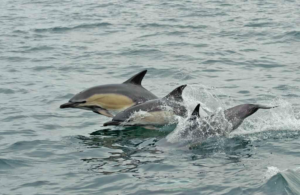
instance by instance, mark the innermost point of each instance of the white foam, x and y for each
(271, 172)
(281, 118)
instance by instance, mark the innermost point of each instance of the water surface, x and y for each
(228, 52)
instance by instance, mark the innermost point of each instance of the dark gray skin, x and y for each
(173, 100)
(131, 89)
(237, 114)
(216, 125)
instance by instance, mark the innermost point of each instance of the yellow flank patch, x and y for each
(109, 101)
(159, 117)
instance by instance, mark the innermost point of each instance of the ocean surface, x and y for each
(227, 52)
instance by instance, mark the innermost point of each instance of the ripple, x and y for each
(64, 29)
(26, 145)
(11, 164)
(12, 118)
(157, 25)
(137, 52)
(35, 184)
(259, 25)
(288, 36)
(42, 68)
(6, 91)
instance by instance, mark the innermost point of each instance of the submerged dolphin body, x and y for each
(113, 97)
(216, 125)
(153, 112)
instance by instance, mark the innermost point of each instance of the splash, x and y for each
(282, 118)
(273, 121)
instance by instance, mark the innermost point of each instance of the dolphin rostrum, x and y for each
(112, 97)
(153, 112)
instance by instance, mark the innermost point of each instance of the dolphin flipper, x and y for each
(103, 112)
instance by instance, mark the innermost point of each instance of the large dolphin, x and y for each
(153, 112)
(215, 124)
(113, 97)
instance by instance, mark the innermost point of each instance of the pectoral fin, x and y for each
(103, 112)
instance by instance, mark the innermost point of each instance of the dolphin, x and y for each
(112, 97)
(215, 124)
(153, 112)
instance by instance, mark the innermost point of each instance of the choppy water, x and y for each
(228, 52)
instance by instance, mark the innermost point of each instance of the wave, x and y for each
(283, 182)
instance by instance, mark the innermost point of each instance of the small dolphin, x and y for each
(216, 125)
(153, 112)
(113, 97)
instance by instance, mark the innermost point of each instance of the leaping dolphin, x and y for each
(214, 125)
(153, 112)
(112, 97)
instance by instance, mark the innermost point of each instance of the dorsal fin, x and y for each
(176, 94)
(137, 79)
(196, 112)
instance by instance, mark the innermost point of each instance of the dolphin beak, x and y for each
(111, 123)
(67, 105)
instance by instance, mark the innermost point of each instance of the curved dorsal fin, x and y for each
(137, 79)
(176, 94)
(196, 112)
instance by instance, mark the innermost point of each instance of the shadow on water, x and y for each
(127, 148)
(132, 147)
(236, 146)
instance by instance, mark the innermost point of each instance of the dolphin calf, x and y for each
(112, 97)
(153, 112)
(215, 124)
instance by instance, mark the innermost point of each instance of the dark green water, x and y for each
(228, 52)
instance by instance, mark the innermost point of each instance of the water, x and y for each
(228, 52)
